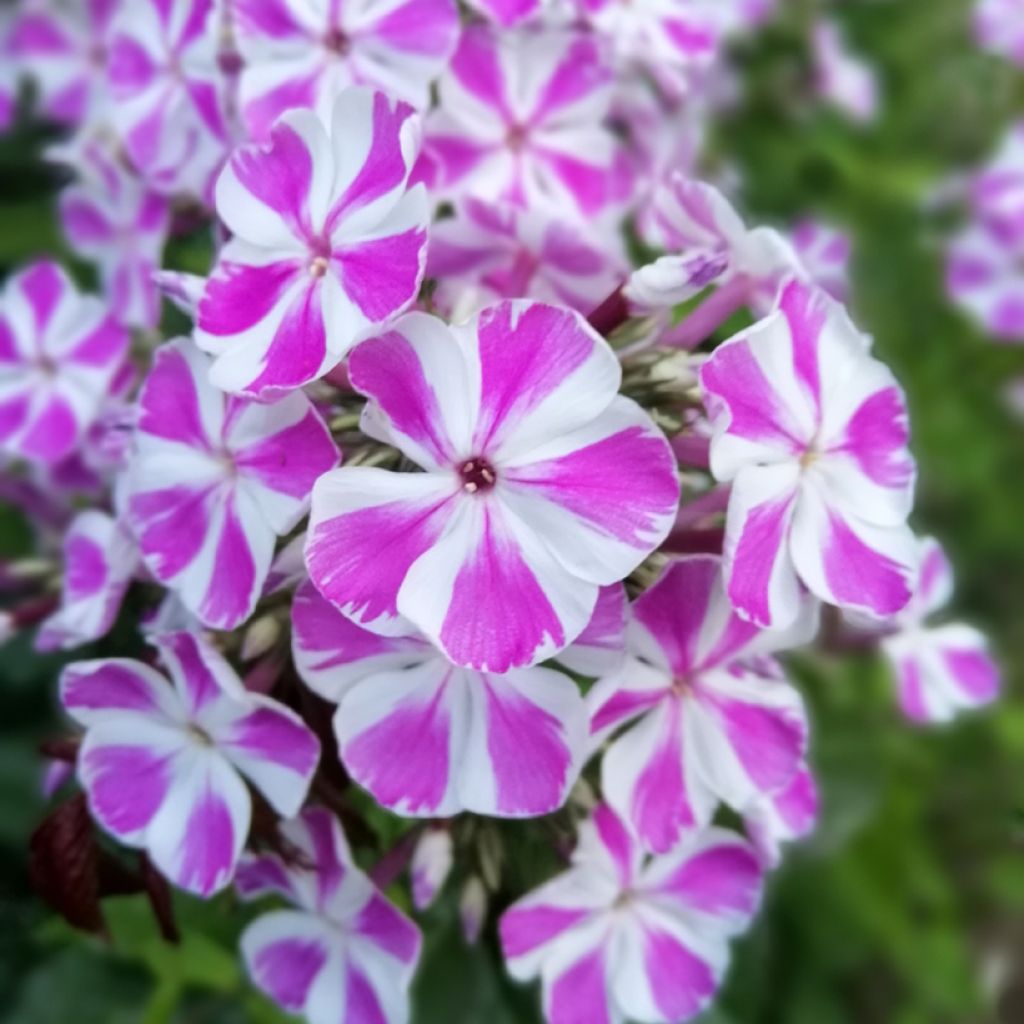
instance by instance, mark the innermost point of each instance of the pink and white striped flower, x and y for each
(622, 936)
(812, 433)
(214, 480)
(782, 817)
(521, 118)
(162, 764)
(716, 721)
(60, 352)
(985, 277)
(944, 669)
(168, 91)
(111, 218)
(343, 954)
(100, 559)
(299, 54)
(63, 48)
(508, 745)
(430, 865)
(329, 242)
(500, 251)
(843, 79)
(999, 27)
(996, 190)
(541, 485)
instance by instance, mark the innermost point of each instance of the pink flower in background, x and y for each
(59, 354)
(63, 48)
(299, 54)
(431, 864)
(716, 721)
(985, 277)
(622, 936)
(521, 118)
(844, 80)
(996, 190)
(501, 251)
(508, 745)
(541, 484)
(214, 480)
(782, 817)
(999, 27)
(162, 765)
(342, 954)
(328, 243)
(168, 91)
(824, 253)
(940, 669)
(812, 433)
(111, 218)
(100, 559)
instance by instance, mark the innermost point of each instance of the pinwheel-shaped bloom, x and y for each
(110, 217)
(985, 277)
(782, 817)
(162, 765)
(430, 865)
(299, 54)
(999, 27)
(501, 251)
(328, 242)
(843, 79)
(344, 954)
(508, 745)
(521, 118)
(63, 48)
(940, 670)
(59, 354)
(168, 91)
(541, 485)
(812, 432)
(214, 480)
(100, 559)
(717, 720)
(620, 936)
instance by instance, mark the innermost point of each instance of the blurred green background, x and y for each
(907, 907)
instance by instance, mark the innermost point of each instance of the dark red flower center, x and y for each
(477, 475)
(337, 42)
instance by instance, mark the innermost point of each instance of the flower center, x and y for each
(516, 137)
(199, 735)
(477, 475)
(318, 266)
(337, 42)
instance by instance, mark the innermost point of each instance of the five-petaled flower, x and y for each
(541, 484)
(162, 765)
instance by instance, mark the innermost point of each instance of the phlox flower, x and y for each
(996, 190)
(100, 559)
(782, 817)
(812, 433)
(843, 79)
(490, 251)
(521, 118)
(999, 27)
(328, 242)
(715, 719)
(940, 669)
(302, 54)
(214, 479)
(113, 219)
(508, 745)
(430, 865)
(985, 277)
(541, 484)
(162, 764)
(341, 954)
(63, 48)
(622, 936)
(168, 91)
(60, 352)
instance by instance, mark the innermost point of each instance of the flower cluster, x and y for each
(446, 495)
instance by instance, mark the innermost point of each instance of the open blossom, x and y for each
(521, 118)
(812, 433)
(843, 79)
(999, 27)
(100, 559)
(489, 251)
(715, 719)
(60, 352)
(299, 54)
(64, 49)
(214, 479)
(162, 764)
(619, 936)
(113, 219)
(782, 817)
(430, 866)
(342, 954)
(168, 91)
(328, 242)
(541, 484)
(940, 669)
(509, 745)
